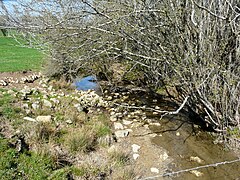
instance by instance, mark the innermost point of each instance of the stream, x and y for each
(186, 142)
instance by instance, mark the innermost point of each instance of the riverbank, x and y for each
(88, 136)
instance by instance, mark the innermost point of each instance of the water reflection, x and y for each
(86, 83)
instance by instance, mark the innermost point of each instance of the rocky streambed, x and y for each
(159, 148)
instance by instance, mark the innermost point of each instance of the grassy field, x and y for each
(14, 58)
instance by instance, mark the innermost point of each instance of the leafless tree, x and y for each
(189, 45)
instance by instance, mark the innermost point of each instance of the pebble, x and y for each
(47, 103)
(35, 106)
(196, 173)
(44, 119)
(113, 118)
(154, 170)
(177, 133)
(118, 125)
(196, 159)
(135, 156)
(155, 124)
(69, 121)
(29, 119)
(164, 156)
(135, 148)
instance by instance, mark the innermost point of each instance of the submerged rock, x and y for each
(154, 170)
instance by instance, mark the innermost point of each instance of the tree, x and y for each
(190, 45)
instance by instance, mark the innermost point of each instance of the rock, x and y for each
(109, 98)
(196, 159)
(43, 119)
(25, 106)
(113, 118)
(30, 119)
(196, 173)
(155, 124)
(125, 122)
(35, 106)
(157, 107)
(135, 156)
(154, 170)
(118, 125)
(47, 103)
(121, 133)
(135, 148)
(177, 133)
(69, 121)
(155, 113)
(112, 113)
(164, 156)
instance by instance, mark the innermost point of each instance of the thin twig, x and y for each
(191, 169)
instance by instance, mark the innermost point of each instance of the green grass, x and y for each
(14, 58)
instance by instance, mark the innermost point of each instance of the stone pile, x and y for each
(27, 79)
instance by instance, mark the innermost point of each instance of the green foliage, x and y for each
(6, 106)
(16, 58)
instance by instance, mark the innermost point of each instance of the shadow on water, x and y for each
(184, 140)
(186, 136)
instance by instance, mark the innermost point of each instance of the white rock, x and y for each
(29, 119)
(43, 119)
(25, 106)
(121, 133)
(35, 106)
(196, 173)
(157, 107)
(177, 133)
(112, 113)
(113, 118)
(164, 156)
(154, 170)
(135, 148)
(47, 103)
(69, 121)
(196, 159)
(155, 124)
(118, 125)
(125, 122)
(109, 98)
(135, 156)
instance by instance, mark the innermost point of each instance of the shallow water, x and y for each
(182, 140)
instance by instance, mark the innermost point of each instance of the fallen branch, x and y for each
(191, 169)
